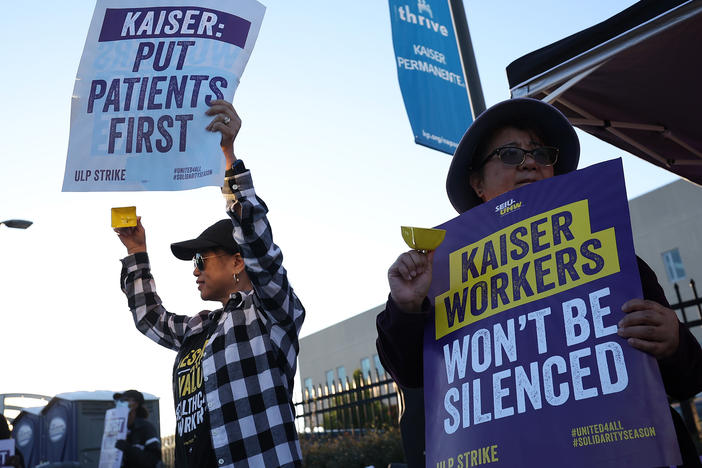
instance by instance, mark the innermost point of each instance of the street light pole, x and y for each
(465, 50)
(17, 223)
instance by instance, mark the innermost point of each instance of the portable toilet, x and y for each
(28, 432)
(74, 423)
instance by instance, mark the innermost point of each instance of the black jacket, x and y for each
(142, 449)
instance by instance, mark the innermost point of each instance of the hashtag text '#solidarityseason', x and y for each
(596, 434)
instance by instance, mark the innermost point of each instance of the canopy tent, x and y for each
(633, 80)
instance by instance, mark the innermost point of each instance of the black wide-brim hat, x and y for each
(551, 123)
(217, 236)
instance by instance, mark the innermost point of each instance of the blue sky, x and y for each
(330, 148)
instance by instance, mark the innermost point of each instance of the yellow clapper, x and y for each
(124, 217)
(424, 239)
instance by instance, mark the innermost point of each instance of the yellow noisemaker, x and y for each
(423, 238)
(124, 217)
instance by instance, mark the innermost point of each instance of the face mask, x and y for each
(122, 404)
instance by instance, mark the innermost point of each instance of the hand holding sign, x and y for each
(650, 327)
(227, 122)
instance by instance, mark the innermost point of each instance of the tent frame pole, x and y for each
(552, 96)
(611, 129)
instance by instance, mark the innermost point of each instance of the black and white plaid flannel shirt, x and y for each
(250, 360)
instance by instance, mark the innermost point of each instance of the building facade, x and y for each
(333, 354)
(667, 230)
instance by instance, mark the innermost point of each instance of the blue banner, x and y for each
(523, 365)
(430, 73)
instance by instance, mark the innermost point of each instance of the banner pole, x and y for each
(465, 50)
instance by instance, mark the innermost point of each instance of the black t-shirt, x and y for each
(193, 440)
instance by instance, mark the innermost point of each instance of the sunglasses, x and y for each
(515, 156)
(199, 260)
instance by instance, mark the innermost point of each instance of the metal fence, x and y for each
(691, 316)
(168, 451)
(352, 406)
(349, 406)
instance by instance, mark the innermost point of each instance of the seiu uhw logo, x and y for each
(508, 207)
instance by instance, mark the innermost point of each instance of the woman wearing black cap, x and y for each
(517, 142)
(235, 366)
(142, 447)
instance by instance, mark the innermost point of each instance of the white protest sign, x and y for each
(145, 80)
(115, 429)
(7, 449)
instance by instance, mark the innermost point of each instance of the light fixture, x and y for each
(17, 223)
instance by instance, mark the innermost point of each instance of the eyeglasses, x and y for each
(515, 156)
(199, 260)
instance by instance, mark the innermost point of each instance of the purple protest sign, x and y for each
(7, 449)
(522, 364)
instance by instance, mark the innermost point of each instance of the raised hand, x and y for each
(133, 238)
(410, 278)
(227, 122)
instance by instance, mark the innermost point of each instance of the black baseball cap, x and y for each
(129, 395)
(217, 236)
(552, 124)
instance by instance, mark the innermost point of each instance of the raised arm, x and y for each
(252, 231)
(401, 325)
(137, 283)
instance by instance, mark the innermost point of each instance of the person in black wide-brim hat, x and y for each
(529, 124)
(511, 144)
